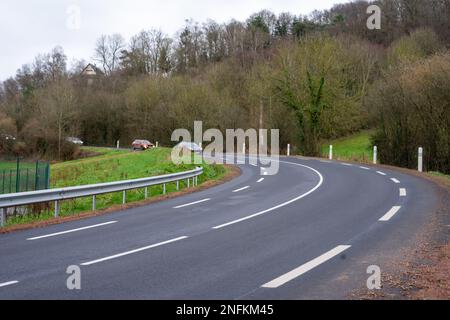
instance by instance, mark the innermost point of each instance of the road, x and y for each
(309, 232)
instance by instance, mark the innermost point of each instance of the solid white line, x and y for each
(133, 251)
(402, 192)
(395, 180)
(280, 205)
(278, 282)
(382, 173)
(260, 180)
(5, 284)
(191, 204)
(364, 168)
(388, 216)
(241, 189)
(70, 231)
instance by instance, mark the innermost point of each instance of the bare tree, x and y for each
(108, 50)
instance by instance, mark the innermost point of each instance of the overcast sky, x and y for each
(30, 27)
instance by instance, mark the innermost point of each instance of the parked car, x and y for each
(142, 145)
(190, 146)
(74, 140)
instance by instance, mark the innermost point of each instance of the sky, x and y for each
(31, 27)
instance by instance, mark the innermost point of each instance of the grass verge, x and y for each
(356, 147)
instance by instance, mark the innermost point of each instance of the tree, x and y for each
(108, 50)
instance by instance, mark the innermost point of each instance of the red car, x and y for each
(142, 145)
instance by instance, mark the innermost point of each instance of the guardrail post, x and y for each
(2, 217)
(189, 183)
(146, 192)
(164, 188)
(178, 185)
(420, 160)
(124, 197)
(375, 155)
(331, 153)
(196, 180)
(289, 150)
(56, 209)
(94, 203)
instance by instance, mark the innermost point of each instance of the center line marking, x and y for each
(388, 216)
(241, 189)
(364, 168)
(395, 180)
(10, 283)
(70, 231)
(347, 164)
(260, 180)
(278, 282)
(402, 192)
(133, 251)
(191, 204)
(382, 173)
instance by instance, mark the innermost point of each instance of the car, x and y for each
(74, 140)
(190, 146)
(142, 145)
(7, 137)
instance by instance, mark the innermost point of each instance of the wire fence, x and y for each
(21, 176)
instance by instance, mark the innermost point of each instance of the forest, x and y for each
(320, 76)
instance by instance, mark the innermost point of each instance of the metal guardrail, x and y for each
(56, 195)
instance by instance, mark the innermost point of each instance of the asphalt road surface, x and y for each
(309, 232)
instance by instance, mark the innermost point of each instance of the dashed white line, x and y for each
(191, 204)
(382, 173)
(278, 282)
(10, 283)
(388, 216)
(347, 164)
(70, 231)
(395, 180)
(364, 168)
(132, 251)
(241, 189)
(280, 205)
(325, 161)
(260, 180)
(402, 192)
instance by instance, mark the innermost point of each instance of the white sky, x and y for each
(30, 27)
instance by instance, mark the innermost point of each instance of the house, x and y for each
(91, 72)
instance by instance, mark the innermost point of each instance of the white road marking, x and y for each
(255, 165)
(70, 231)
(388, 216)
(382, 173)
(280, 205)
(402, 192)
(133, 251)
(241, 189)
(278, 282)
(325, 161)
(191, 204)
(364, 168)
(260, 180)
(10, 283)
(395, 180)
(347, 164)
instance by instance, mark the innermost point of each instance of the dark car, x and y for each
(142, 145)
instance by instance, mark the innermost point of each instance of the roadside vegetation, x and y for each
(112, 165)
(356, 147)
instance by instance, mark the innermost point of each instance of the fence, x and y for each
(57, 195)
(19, 176)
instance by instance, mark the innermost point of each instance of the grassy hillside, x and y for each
(356, 147)
(113, 165)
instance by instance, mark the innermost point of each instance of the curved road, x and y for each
(309, 232)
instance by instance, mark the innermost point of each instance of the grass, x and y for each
(439, 174)
(356, 147)
(112, 165)
(12, 165)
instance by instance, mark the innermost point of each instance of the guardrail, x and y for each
(57, 195)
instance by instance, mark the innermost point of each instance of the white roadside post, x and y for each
(124, 197)
(94, 203)
(331, 153)
(420, 166)
(289, 150)
(118, 144)
(243, 149)
(56, 209)
(157, 144)
(375, 155)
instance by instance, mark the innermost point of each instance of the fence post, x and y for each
(2, 217)
(375, 155)
(331, 153)
(18, 176)
(420, 165)
(94, 203)
(47, 178)
(56, 209)
(289, 150)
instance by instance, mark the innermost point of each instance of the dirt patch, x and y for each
(232, 172)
